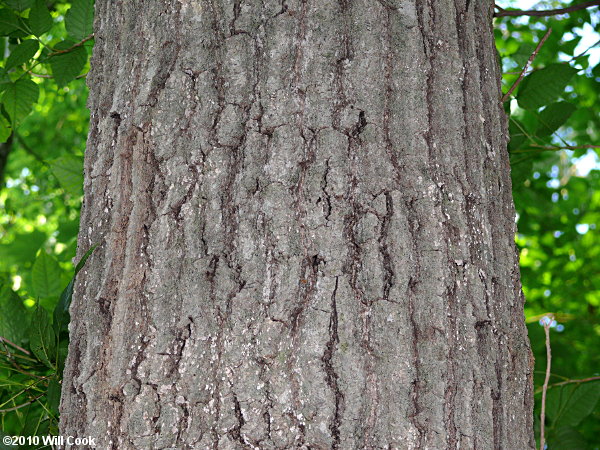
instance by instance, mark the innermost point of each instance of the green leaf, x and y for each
(40, 20)
(79, 20)
(544, 86)
(518, 134)
(45, 275)
(68, 170)
(61, 312)
(12, 315)
(42, 340)
(18, 98)
(23, 249)
(5, 129)
(63, 351)
(53, 395)
(523, 53)
(567, 438)
(19, 5)
(22, 53)
(569, 405)
(4, 80)
(66, 66)
(8, 22)
(84, 258)
(4, 446)
(553, 117)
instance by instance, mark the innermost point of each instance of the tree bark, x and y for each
(307, 231)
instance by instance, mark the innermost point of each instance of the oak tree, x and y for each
(306, 231)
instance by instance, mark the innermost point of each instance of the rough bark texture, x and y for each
(307, 231)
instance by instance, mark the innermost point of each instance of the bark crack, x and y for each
(388, 277)
(331, 376)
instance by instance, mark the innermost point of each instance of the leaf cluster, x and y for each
(33, 350)
(38, 46)
(554, 118)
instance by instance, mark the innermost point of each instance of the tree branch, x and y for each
(21, 406)
(526, 66)
(551, 148)
(67, 50)
(548, 12)
(568, 381)
(3, 339)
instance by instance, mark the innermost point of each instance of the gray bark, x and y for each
(306, 226)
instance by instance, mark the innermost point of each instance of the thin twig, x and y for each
(3, 339)
(548, 12)
(526, 66)
(568, 61)
(548, 321)
(74, 46)
(21, 406)
(583, 380)
(41, 75)
(562, 383)
(566, 147)
(549, 148)
(585, 51)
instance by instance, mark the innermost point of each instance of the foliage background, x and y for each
(554, 125)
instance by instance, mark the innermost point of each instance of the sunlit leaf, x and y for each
(523, 54)
(22, 249)
(5, 129)
(68, 170)
(18, 98)
(544, 86)
(45, 275)
(553, 117)
(22, 53)
(80, 19)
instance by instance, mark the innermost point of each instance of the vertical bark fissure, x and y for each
(308, 272)
(228, 212)
(412, 295)
(388, 267)
(389, 92)
(331, 375)
(424, 10)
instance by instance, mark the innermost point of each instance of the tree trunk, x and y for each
(306, 226)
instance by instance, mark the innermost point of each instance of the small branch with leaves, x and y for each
(526, 66)
(501, 12)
